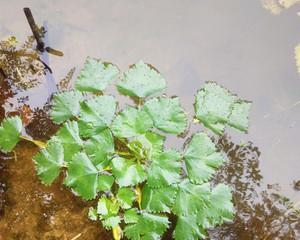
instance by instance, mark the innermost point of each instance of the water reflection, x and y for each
(260, 213)
(22, 63)
(40, 126)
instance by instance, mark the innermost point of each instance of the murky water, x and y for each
(236, 43)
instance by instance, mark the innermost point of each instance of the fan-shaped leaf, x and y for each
(111, 222)
(10, 131)
(65, 105)
(221, 206)
(146, 146)
(49, 161)
(201, 158)
(92, 214)
(68, 134)
(96, 114)
(96, 75)
(127, 173)
(215, 107)
(125, 197)
(108, 210)
(100, 148)
(164, 169)
(82, 176)
(131, 122)
(187, 229)
(141, 80)
(147, 224)
(105, 182)
(220, 210)
(191, 198)
(158, 199)
(167, 114)
(107, 207)
(239, 115)
(131, 216)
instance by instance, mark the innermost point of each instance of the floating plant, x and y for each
(118, 156)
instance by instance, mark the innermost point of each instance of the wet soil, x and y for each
(31, 210)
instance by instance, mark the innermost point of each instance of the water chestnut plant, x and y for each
(118, 156)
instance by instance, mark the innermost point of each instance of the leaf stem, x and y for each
(40, 144)
(138, 196)
(117, 232)
(123, 153)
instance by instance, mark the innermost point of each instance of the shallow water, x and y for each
(236, 43)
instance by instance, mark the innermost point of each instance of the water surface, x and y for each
(236, 43)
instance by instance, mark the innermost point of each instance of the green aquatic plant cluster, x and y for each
(118, 155)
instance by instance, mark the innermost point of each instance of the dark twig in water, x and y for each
(45, 65)
(38, 35)
(35, 30)
(54, 51)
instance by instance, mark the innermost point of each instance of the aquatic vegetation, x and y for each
(118, 156)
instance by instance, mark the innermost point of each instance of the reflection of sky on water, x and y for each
(239, 44)
(236, 43)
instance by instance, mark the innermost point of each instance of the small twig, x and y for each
(15, 156)
(45, 65)
(35, 30)
(77, 236)
(39, 37)
(54, 51)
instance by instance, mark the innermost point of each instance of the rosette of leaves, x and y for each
(118, 155)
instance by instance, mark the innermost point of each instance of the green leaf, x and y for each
(127, 172)
(49, 161)
(239, 115)
(147, 224)
(82, 176)
(96, 75)
(100, 148)
(151, 236)
(111, 222)
(96, 115)
(165, 169)
(187, 229)
(107, 207)
(147, 146)
(92, 214)
(126, 196)
(201, 158)
(222, 207)
(65, 105)
(131, 122)
(68, 134)
(141, 80)
(158, 199)
(105, 182)
(131, 216)
(216, 107)
(167, 114)
(10, 131)
(191, 198)
(220, 210)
